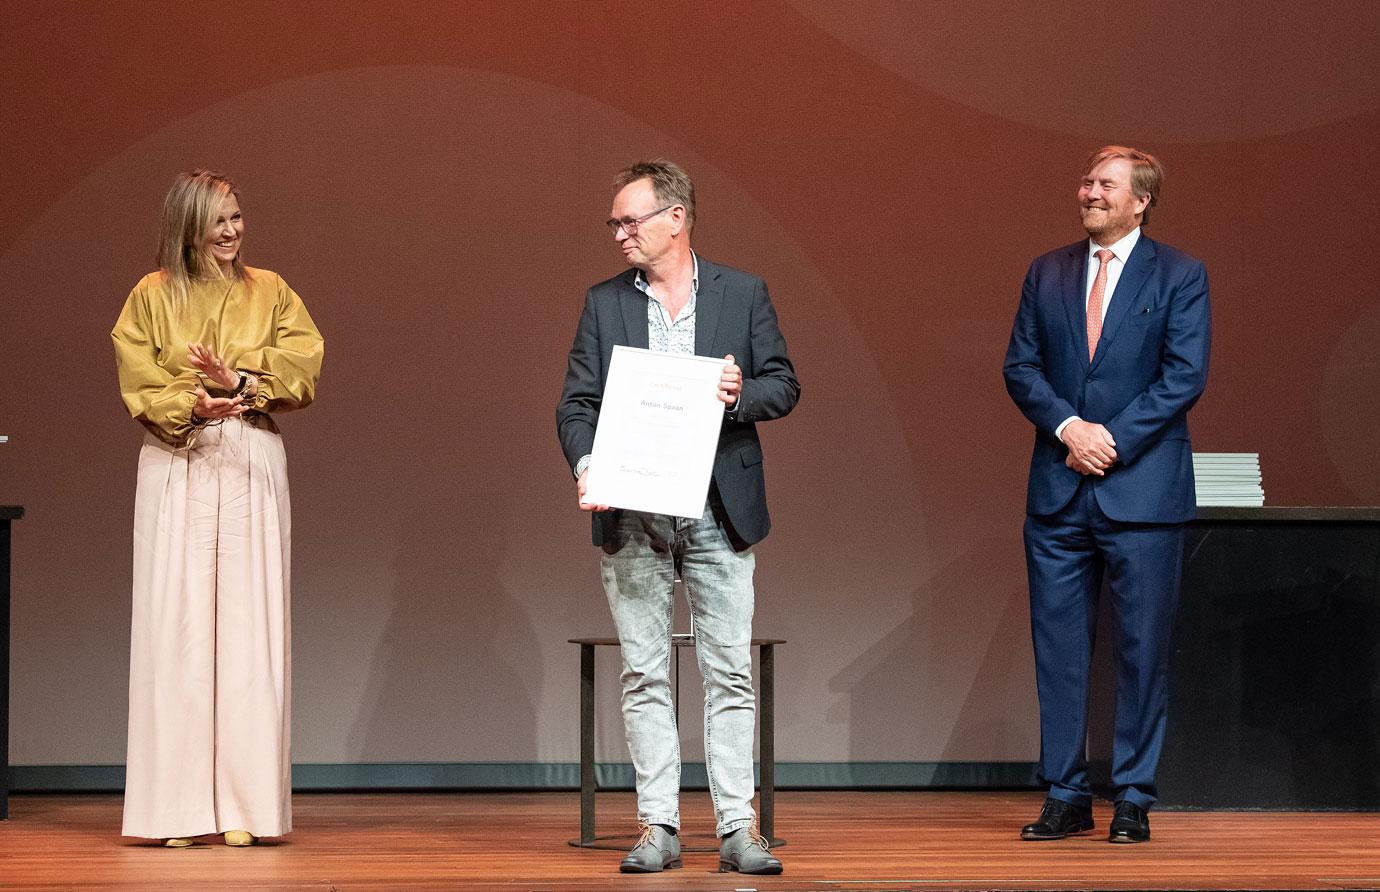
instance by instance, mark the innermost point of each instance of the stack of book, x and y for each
(1228, 478)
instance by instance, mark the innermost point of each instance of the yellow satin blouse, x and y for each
(256, 325)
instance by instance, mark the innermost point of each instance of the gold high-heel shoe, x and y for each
(239, 838)
(177, 842)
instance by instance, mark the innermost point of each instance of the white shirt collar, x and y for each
(641, 282)
(1122, 249)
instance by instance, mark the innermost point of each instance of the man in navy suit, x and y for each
(673, 300)
(1108, 353)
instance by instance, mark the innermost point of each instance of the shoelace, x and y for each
(755, 838)
(646, 834)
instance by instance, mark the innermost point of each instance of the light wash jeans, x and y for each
(638, 569)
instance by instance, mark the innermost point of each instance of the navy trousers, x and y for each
(1068, 554)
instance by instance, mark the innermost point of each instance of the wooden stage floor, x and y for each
(835, 841)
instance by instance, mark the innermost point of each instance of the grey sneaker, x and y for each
(655, 851)
(745, 851)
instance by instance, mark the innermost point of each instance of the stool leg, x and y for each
(587, 784)
(4, 670)
(767, 746)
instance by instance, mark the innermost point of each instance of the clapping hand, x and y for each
(205, 360)
(213, 408)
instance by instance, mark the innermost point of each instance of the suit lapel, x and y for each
(709, 303)
(1138, 268)
(1074, 285)
(634, 304)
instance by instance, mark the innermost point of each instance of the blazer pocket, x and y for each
(1147, 315)
(751, 456)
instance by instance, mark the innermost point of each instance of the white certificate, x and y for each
(658, 429)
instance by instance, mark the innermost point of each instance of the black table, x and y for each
(1274, 692)
(8, 513)
(766, 740)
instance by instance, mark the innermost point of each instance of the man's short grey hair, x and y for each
(670, 182)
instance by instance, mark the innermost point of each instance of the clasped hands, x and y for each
(211, 408)
(730, 388)
(1091, 447)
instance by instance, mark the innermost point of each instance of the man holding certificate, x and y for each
(679, 306)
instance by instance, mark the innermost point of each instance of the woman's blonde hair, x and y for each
(189, 212)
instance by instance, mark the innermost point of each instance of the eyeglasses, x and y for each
(630, 226)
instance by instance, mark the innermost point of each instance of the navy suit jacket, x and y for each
(733, 314)
(1150, 367)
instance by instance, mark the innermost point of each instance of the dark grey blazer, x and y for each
(733, 314)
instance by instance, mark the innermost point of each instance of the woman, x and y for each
(207, 348)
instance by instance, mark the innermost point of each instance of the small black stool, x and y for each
(766, 739)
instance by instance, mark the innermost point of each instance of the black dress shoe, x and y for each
(1059, 819)
(1130, 823)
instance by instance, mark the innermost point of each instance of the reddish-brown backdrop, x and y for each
(432, 177)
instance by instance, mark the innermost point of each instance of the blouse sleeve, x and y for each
(289, 367)
(155, 397)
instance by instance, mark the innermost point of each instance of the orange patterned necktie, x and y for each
(1099, 288)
